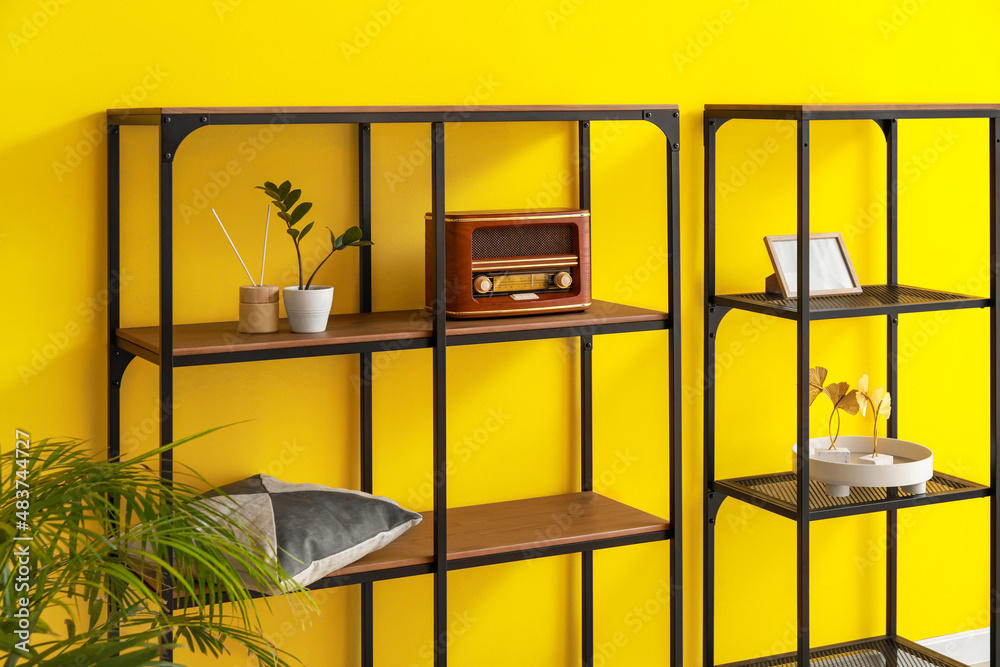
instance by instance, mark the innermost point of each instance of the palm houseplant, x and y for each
(77, 530)
(307, 305)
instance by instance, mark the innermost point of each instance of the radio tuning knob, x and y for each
(482, 284)
(563, 280)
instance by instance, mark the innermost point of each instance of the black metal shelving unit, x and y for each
(792, 495)
(431, 548)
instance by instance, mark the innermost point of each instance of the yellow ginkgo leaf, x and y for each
(863, 384)
(836, 391)
(850, 402)
(876, 396)
(885, 405)
(817, 376)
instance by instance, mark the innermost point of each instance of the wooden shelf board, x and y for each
(851, 111)
(120, 114)
(852, 107)
(222, 337)
(514, 527)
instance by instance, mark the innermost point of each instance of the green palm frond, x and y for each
(115, 531)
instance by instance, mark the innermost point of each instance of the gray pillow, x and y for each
(311, 530)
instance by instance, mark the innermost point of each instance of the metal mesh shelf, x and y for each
(878, 652)
(778, 493)
(874, 300)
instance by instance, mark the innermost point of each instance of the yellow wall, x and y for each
(64, 62)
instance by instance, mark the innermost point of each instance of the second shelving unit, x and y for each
(792, 495)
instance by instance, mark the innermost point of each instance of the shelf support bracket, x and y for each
(713, 501)
(669, 123)
(119, 360)
(886, 125)
(715, 317)
(174, 129)
(713, 125)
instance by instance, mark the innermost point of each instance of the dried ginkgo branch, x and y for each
(840, 394)
(881, 404)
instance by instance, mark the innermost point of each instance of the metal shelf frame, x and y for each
(174, 125)
(789, 494)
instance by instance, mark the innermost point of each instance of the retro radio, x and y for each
(513, 262)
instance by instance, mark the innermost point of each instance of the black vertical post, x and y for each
(674, 405)
(891, 128)
(365, 282)
(166, 239)
(994, 373)
(439, 341)
(114, 291)
(802, 316)
(586, 484)
(114, 319)
(708, 530)
(586, 422)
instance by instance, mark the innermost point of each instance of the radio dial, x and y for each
(563, 280)
(482, 284)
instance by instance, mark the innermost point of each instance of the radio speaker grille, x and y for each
(522, 241)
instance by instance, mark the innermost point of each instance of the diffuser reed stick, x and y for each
(234, 248)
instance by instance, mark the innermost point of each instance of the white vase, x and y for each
(309, 309)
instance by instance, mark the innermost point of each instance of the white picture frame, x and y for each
(830, 269)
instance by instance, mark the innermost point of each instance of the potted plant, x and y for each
(307, 305)
(74, 527)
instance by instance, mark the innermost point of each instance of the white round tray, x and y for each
(912, 465)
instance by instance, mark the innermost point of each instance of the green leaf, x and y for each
(305, 230)
(351, 236)
(285, 216)
(289, 200)
(284, 188)
(294, 233)
(270, 186)
(300, 212)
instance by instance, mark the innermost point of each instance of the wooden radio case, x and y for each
(513, 262)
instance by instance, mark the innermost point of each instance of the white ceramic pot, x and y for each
(308, 310)
(912, 465)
